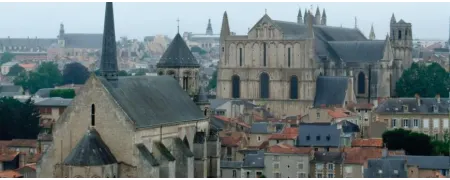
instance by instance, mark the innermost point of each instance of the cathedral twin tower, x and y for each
(317, 18)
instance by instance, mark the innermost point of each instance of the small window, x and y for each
(234, 173)
(330, 175)
(399, 34)
(330, 166)
(318, 138)
(289, 57)
(223, 49)
(318, 175)
(299, 165)
(259, 138)
(276, 165)
(308, 137)
(248, 174)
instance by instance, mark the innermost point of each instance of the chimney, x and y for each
(417, 99)
(438, 98)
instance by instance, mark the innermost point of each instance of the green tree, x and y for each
(51, 69)
(75, 73)
(213, 81)
(18, 120)
(15, 70)
(198, 50)
(6, 57)
(441, 147)
(63, 93)
(46, 76)
(426, 80)
(123, 73)
(398, 139)
(141, 72)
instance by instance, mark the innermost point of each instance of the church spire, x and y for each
(225, 31)
(209, 30)
(299, 16)
(61, 31)
(393, 21)
(317, 16)
(324, 18)
(372, 33)
(305, 17)
(108, 63)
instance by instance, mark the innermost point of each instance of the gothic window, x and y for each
(93, 115)
(235, 86)
(264, 85)
(264, 54)
(399, 34)
(361, 83)
(185, 82)
(289, 57)
(294, 88)
(240, 56)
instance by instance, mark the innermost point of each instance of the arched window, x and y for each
(264, 85)
(293, 94)
(361, 83)
(264, 54)
(240, 57)
(399, 34)
(235, 86)
(93, 115)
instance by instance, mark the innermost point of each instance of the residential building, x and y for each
(253, 165)
(230, 169)
(326, 165)
(386, 168)
(287, 136)
(232, 108)
(10, 90)
(27, 171)
(6, 66)
(425, 166)
(322, 137)
(426, 115)
(287, 161)
(231, 143)
(261, 131)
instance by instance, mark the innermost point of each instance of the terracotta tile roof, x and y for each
(288, 149)
(290, 130)
(373, 142)
(10, 174)
(360, 105)
(8, 155)
(359, 155)
(264, 145)
(230, 141)
(28, 66)
(4, 145)
(338, 113)
(287, 134)
(23, 143)
(223, 118)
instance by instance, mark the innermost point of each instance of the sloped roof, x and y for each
(177, 55)
(326, 97)
(80, 40)
(371, 142)
(336, 157)
(288, 149)
(90, 151)
(359, 51)
(10, 88)
(259, 128)
(395, 105)
(426, 162)
(27, 42)
(153, 100)
(386, 168)
(254, 160)
(231, 164)
(54, 102)
(318, 135)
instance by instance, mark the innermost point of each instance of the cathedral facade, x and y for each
(277, 62)
(129, 127)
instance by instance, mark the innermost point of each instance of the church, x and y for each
(128, 127)
(277, 62)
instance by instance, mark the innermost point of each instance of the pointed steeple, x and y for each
(209, 30)
(202, 97)
(299, 16)
(108, 63)
(317, 16)
(324, 18)
(372, 33)
(393, 21)
(305, 17)
(225, 31)
(61, 31)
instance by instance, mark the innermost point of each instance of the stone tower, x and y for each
(401, 40)
(108, 63)
(317, 16)
(61, 40)
(209, 30)
(299, 16)
(178, 61)
(202, 101)
(372, 33)
(324, 18)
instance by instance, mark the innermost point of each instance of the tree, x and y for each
(123, 73)
(141, 72)
(15, 70)
(198, 50)
(75, 73)
(398, 139)
(63, 93)
(18, 120)
(46, 76)
(213, 81)
(426, 80)
(6, 57)
(441, 147)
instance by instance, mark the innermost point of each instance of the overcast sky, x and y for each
(136, 20)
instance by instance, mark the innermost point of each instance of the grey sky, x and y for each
(136, 20)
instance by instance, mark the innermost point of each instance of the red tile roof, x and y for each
(8, 155)
(32, 143)
(230, 141)
(338, 113)
(10, 174)
(358, 155)
(287, 134)
(288, 149)
(373, 142)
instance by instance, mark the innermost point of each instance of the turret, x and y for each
(299, 16)
(305, 17)
(209, 30)
(393, 21)
(372, 33)
(317, 16)
(324, 18)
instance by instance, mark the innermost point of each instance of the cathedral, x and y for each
(129, 127)
(277, 62)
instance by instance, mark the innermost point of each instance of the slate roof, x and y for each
(217, 124)
(359, 51)
(90, 151)
(319, 135)
(215, 103)
(81, 40)
(395, 105)
(259, 128)
(164, 151)
(153, 100)
(254, 160)
(178, 55)
(324, 96)
(349, 127)
(10, 88)
(231, 164)
(27, 42)
(147, 154)
(44, 92)
(335, 157)
(385, 168)
(54, 102)
(426, 162)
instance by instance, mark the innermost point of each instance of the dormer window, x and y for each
(308, 137)
(318, 138)
(435, 108)
(405, 108)
(328, 137)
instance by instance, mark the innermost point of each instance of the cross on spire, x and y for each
(178, 25)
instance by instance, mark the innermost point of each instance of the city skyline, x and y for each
(149, 18)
